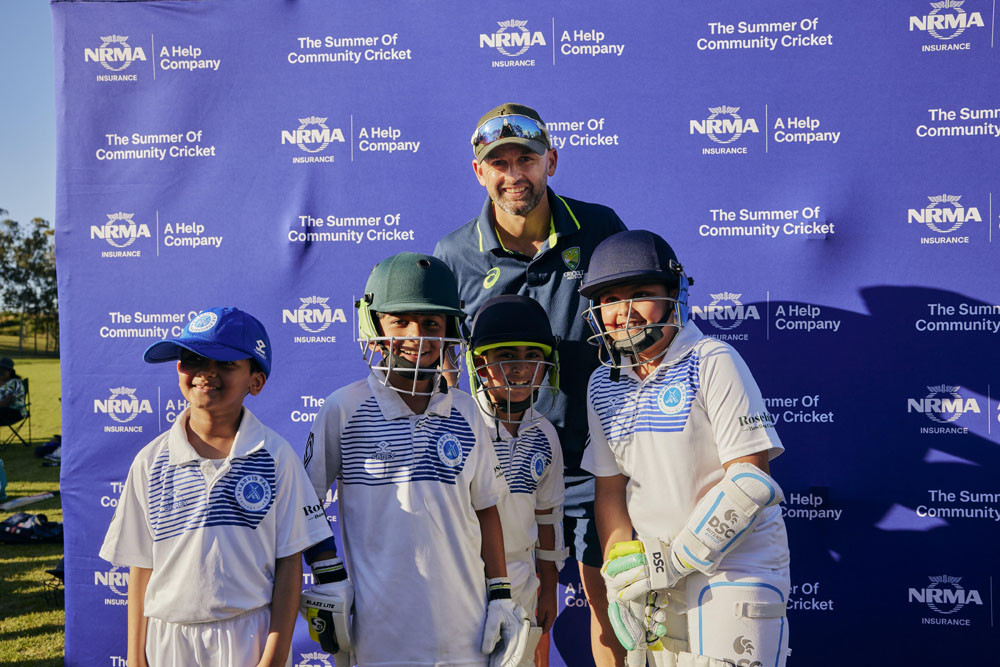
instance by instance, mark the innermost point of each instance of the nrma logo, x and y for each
(943, 404)
(947, 20)
(944, 214)
(945, 595)
(312, 135)
(122, 405)
(724, 125)
(120, 230)
(114, 53)
(313, 314)
(115, 579)
(315, 659)
(512, 39)
(726, 311)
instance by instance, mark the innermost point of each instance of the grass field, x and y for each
(31, 628)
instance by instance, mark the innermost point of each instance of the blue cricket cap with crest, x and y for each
(222, 334)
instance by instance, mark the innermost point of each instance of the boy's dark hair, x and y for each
(255, 367)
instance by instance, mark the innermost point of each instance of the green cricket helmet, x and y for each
(408, 282)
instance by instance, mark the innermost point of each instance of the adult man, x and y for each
(528, 240)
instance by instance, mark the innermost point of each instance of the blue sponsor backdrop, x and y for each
(826, 171)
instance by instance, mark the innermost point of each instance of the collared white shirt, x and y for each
(532, 465)
(671, 432)
(211, 534)
(408, 488)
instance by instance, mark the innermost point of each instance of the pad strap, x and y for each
(738, 497)
(553, 518)
(560, 553)
(556, 555)
(760, 609)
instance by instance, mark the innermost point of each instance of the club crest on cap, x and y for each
(203, 322)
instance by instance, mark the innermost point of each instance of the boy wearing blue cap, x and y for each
(215, 512)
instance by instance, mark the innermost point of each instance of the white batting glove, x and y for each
(505, 636)
(635, 568)
(327, 606)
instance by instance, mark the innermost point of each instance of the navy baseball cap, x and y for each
(222, 334)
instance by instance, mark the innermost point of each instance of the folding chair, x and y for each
(15, 428)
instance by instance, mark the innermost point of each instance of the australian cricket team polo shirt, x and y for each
(485, 269)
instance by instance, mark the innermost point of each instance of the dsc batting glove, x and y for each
(505, 636)
(327, 606)
(635, 568)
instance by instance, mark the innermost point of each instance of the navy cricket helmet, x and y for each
(628, 257)
(512, 320)
(634, 257)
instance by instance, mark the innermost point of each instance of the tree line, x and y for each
(30, 302)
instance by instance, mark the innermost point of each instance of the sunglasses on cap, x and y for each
(509, 127)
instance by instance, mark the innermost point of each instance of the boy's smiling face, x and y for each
(515, 368)
(216, 386)
(407, 328)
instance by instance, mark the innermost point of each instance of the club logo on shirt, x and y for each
(383, 452)
(203, 322)
(537, 466)
(672, 398)
(307, 455)
(449, 450)
(375, 465)
(571, 257)
(491, 277)
(253, 493)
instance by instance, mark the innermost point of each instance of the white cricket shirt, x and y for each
(408, 487)
(211, 535)
(533, 467)
(671, 433)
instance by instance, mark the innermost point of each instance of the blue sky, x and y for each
(27, 113)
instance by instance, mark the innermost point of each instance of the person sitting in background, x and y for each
(12, 408)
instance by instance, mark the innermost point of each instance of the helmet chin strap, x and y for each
(638, 342)
(515, 406)
(406, 367)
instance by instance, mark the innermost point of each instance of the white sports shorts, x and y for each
(234, 642)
